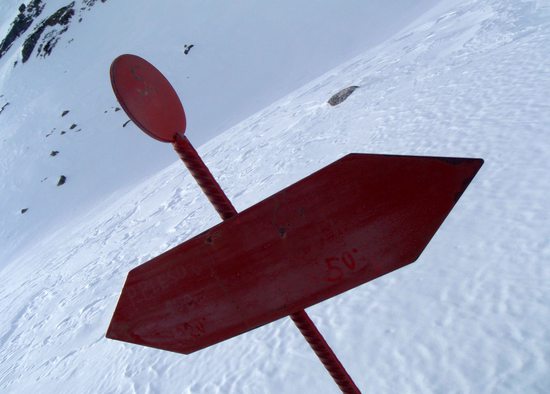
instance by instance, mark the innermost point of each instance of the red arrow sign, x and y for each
(355, 220)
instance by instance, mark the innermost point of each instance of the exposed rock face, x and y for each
(47, 32)
(59, 21)
(62, 180)
(25, 18)
(90, 3)
(342, 95)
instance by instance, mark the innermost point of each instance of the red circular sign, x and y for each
(147, 97)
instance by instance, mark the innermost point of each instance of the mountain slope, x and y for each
(245, 56)
(469, 78)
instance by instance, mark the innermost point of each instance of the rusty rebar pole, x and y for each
(324, 352)
(204, 177)
(226, 210)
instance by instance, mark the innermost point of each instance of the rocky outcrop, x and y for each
(46, 33)
(59, 22)
(27, 14)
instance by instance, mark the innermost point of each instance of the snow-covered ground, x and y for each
(468, 78)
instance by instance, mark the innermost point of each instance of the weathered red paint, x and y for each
(147, 98)
(353, 221)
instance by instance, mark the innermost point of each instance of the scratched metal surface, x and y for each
(359, 218)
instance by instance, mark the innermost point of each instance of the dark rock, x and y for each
(117, 109)
(61, 17)
(24, 210)
(125, 123)
(54, 153)
(64, 113)
(63, 132)
(25, 18)
(342, 95)
(4, 107)
(187, 48)
(72, 126)
(62, 180)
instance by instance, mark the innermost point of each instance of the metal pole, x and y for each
(324, 352)
(225, 209)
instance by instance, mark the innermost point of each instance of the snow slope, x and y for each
(246, 54)
(468, 78)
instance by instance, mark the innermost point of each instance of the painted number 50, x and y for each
(338, 266)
